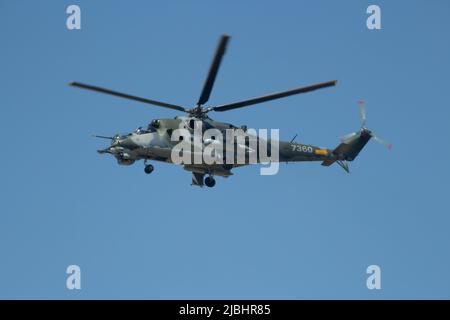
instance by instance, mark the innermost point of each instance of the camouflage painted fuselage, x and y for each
(155, 143)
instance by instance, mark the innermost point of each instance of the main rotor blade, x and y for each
(127, 96)
(207, 87)
(273, 96)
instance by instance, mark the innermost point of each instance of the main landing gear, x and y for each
(148, 168)
(210, 181)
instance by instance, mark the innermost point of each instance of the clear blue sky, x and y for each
(308, 232)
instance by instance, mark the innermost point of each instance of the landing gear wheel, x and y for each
(210, 182)
(148, 169)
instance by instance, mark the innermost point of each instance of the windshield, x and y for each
(141, 130)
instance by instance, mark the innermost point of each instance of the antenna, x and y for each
(292, 140)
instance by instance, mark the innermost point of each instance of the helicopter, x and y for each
(155, 143)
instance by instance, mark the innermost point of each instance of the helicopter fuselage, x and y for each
(155, 143)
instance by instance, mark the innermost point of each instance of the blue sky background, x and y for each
(307, 232)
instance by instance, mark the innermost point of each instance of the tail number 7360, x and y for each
(301, 148)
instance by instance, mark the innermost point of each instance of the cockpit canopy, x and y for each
(141, 130)
(154, 124)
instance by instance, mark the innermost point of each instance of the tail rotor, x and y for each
(362, 113)
(348, 138)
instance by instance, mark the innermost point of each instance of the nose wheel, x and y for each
(148, 169)
(210, 182)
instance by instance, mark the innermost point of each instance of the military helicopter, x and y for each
(154, 143)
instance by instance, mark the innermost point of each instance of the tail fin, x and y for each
(339, 152)
(347, 152)
(353, 143)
